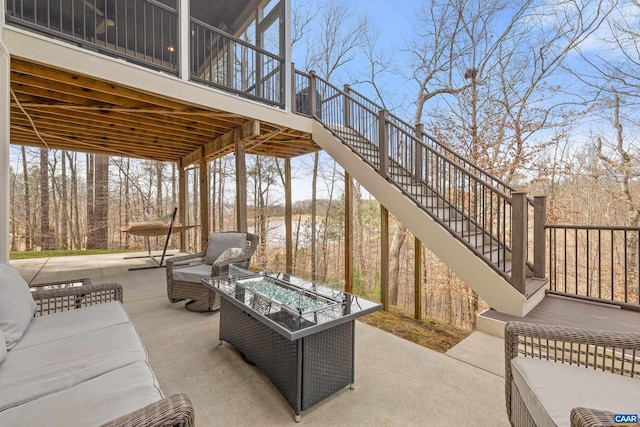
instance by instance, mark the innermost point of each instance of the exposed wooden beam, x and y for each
(225, 144)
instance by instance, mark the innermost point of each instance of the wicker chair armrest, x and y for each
(586, 417)
(55, 300)
(546, 337)
(175, 410)
(186, 260)
(85, 281)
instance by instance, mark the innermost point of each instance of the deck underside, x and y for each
(77, 112)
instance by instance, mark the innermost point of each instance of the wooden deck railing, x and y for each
(147, 32)
(141, 31)
(596, 262)
(397, 150)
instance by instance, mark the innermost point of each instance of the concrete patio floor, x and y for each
(397, 383)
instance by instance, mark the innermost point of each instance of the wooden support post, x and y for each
(288, 217)
(384, 257)
(539, 245)
(204, 202)
(383, 143)
(182, 204)
(241, 185)
(417, 278)
(348, 233)
(519, 238)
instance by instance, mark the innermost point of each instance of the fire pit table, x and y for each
(299, 333)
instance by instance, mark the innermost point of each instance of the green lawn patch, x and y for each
(59, 253)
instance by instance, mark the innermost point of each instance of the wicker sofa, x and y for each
(560, 376)
(184, 273)
(72, 357)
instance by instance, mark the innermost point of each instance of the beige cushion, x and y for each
(219, 242)
(33, 372)
(91, 403)
(550, 390)
(17, 306)
(3, 347)
(66, 324)
(193, 274)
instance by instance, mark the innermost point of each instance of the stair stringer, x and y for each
(483, 279)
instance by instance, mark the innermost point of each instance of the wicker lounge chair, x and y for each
(184, 273)
(554, 374)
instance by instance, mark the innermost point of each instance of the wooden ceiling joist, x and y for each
(82, 113)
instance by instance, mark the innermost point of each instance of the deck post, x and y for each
(346, 111)
(182, 204)
(417, 278)
(5, 123)
(348, 232)
(383, 142)
(241, 183)
(184, 38)
(289, 74)
(384, 257)
(288, 217)
(313, 95)
(292, 89)
(519, 237)
(539, 223)
(204, 201)
(418, 153)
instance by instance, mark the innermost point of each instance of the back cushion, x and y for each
(3, 347)
(220, 242)
(17, 307)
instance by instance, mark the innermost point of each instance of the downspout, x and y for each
(5, 123)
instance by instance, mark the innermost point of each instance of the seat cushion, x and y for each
(219, 242)
(66, 324)
(91, 403)
(36, 371)
(17, 306)
(193, 274)
(550, 390)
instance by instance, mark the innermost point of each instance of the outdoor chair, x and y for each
(561, 376)
(185, 273)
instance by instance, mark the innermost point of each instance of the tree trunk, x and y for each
(399, 237)
(102, 201)
(45, 233)
(75, 214)
(27, 203)
(90, 243)
(64, 201)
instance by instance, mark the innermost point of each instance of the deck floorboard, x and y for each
(563, 311)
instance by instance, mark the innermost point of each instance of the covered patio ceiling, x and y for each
(81, 113)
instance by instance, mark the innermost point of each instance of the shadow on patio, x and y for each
(397, 382)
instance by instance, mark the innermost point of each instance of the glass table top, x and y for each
(290, 303)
